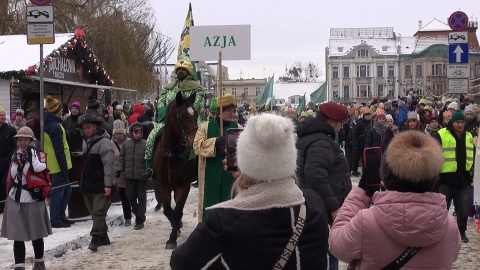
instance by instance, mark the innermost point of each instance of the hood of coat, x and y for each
(138, 109)
(313, 125)
(411, 219)
(51, 118)
(100, 133)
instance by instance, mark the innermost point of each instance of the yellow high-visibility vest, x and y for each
(449, 145)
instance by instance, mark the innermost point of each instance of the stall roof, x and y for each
(82, 84)
(16, 54)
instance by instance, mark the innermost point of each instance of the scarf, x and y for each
(380, 127)
(120, 141)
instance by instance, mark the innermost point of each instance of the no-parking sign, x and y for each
(40, 2)
(458, 21)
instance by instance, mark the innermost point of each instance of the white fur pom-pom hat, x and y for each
(266, 148)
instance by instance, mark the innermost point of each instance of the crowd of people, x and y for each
(291, 202)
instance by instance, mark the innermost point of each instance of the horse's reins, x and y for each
(184, 143)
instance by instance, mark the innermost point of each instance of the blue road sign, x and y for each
(458, 21)
(458, 53)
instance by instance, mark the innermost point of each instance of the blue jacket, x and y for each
(402, 117)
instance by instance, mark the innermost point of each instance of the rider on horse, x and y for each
(185, 84)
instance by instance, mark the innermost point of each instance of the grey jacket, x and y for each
(104, 148)
(132, 157)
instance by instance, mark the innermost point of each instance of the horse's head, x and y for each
(184, 117)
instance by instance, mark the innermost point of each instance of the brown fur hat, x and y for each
(414, 157)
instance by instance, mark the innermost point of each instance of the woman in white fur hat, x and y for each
(268, 212)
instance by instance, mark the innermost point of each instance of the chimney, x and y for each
(419, 25)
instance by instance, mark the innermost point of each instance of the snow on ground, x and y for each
(67, 248)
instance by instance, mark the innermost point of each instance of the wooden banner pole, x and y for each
(220, 90)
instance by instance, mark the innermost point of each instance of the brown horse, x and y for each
(173, 171)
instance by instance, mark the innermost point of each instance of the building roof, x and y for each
(435, 25)
(407, 45)
(17, 55)
(342, 47)
(286, 90)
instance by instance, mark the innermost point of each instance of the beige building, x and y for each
(365, 62)
(245, 90)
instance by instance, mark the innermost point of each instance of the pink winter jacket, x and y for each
(378, 235)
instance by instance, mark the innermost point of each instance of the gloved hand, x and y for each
(369, 190)
(118, 173)
(221, 141)
(221, 145)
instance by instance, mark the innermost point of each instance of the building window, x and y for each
(334, 72)
(340, 49)
(385, 48)
(224, 91)
(419, 70)
(346, 91)
(380, 71)
(292, 100)
(245, 91)
(380, 90)
(335, 91)
(346, 72)
(408, 70)
(257, 91)
(363, 90)
(439, 70)
(363, 53)
(438, 89)
(234, 91)
(391, 92)
(391, 71)
(363, 71)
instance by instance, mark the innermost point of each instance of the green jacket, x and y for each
(188, 87)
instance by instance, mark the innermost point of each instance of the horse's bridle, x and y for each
(185, 134)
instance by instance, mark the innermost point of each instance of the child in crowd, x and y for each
(132, 164)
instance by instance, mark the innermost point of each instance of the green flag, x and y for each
(267, 92)
(319, 95)
(302, 105)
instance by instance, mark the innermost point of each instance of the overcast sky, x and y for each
(298, 30)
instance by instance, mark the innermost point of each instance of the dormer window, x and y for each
(340, 49)
(384, 48)
(362, 53)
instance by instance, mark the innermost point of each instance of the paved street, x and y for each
(144, 249)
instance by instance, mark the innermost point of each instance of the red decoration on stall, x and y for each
(30, 70)
(79, 33)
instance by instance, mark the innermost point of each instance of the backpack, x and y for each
(38, 183)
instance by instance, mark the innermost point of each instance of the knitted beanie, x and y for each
(119, 127)
(266, 148)
(53, 105)
(19, 112)
(76, 105)
(458, 116)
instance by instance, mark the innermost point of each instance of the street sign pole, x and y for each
(42, 94)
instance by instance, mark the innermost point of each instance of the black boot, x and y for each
(94, 243)
(39, 264)
(104, 240)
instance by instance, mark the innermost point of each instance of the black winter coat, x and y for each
(255, 239)
(358, 135)
(321, 165)
(8, 146)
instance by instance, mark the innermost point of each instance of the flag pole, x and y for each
(220, 89)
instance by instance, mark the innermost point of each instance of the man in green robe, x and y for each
(183, 83)
(215, 184)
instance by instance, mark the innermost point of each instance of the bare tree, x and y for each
(312, 71)
(122, 34)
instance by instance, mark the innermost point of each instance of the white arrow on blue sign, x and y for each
(458, 53)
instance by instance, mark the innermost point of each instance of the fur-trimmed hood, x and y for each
(187, 84)
(265, 195)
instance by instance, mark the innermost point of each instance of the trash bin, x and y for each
(76, 204)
